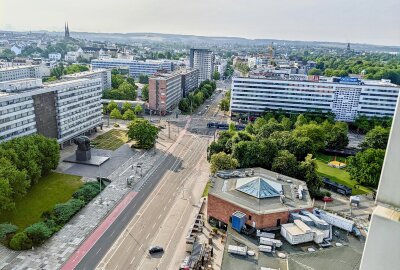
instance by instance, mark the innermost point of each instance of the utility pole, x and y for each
(169, 130)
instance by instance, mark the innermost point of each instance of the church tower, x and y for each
(66, 31)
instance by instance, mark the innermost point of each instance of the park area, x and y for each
(43, 196)
(338, 175)
(111, 140)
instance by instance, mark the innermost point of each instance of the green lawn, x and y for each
(338, 175)
(50, 190)
(206, 189)
(111, 140)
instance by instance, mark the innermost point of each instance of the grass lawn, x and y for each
(50, 190)
(111, 140)
(338, 175)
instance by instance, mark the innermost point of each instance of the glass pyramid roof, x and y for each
(259, 187)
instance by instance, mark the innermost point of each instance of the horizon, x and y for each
(357, 22)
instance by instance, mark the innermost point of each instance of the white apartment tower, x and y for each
(203, 60)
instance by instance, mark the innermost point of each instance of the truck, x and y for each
(270, 242)
(264, 248)
(237, 250)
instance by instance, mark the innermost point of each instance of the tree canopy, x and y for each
(144, 133)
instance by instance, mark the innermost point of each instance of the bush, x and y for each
(87, 192)
(20, 241)
(38, 233)
(63, 212)
(6, 230)
(52, 225)
(116, 125)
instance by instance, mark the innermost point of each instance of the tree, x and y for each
(315, 71)
(111, 106)
(127, 91)
(116, 80)
(216, 75)
(376, 138)
(57, 71)
(145, 92)
(308, 173)
(7, 54)
(17, 180)
(143, 78)
(115, 114)
(126, 106)
(129, 115)
(314, 132)
(184, 105)
(224, 105)
(222, 161)
(138, 109)
(366, 166)
(75, 68)
(144, 133)
(336, 136)
(301, 120)
(6, 200)
(285, 163)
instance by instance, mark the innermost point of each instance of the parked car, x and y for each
(155, 249)
(327, 199)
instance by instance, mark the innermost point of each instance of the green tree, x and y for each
(17, 180)
(301, 120)
(184, 105)
(216, 75)
(308, 173)
(75, 68)
(376, 138)
(336, 136)
(285, 163)
(6, 199)
(224, 105)
(222, 161)
(366, 166)
(116, 80)
(7, 54)
(143, 79)
(126, 106)
(138, 109)
(314, 132)
(115, 114)
(127, 90)
(57, 71)
(111, 106)
(315, 71)
(144, 133)
(129, 115)
(145, 92)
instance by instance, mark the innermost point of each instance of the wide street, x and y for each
(125, 243)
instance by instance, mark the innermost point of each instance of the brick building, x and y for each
(165, 92)
(265, 197)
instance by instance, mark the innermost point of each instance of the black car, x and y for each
(155, 249)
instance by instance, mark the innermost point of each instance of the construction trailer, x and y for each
(297, 232)
(335, 220)
(264, 248)
(237, 250)
(270, 242)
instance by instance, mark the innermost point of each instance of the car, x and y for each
(327, 199)
(155, 249)
(199, 113)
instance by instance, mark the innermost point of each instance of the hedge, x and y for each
(38, 233)
(7, 230)
(63, 212)
(21, 241)
(87, 192)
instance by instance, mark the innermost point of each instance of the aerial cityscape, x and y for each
(246, 135)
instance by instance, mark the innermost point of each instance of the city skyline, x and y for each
(342, 22)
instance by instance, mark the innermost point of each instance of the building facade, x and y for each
(103, 74)
(190, 80)
(346, 99)
(165, 92)
(381, 249)
(203, 60)
(55, 56)
(61, 110)
(19, 72)
(136, 68)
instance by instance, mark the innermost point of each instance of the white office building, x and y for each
(136, 68)
(19, 72)
(61, 110)
(103, 74)
(203, 60)
(55, 56)
(346, 98)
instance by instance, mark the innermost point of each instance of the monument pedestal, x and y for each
(83, 155)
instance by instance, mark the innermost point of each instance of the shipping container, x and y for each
(237, 250)
(238, 221)
(265, 248)
(335, 220)
(270, 242)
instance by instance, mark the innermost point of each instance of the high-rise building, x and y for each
(203, 60)
(347, 98)
(165, 92)
(136, 68)
(61, 110)
(19, 72)
(381, 249)
(190, 80)
(103, 74)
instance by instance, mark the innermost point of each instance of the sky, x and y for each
(355, 21)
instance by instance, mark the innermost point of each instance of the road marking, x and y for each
(159, 216)
(133, 260)
(147, 237)
(98, 251)
(154, 225)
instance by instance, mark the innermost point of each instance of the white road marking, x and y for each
(147, 237)
(98, 251)
(133, 260)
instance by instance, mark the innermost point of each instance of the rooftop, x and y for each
(84, 73)
(261, 193)
(17, 67)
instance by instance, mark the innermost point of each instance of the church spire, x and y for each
(66, 30)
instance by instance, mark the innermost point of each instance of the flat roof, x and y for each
(84, 73)
(226, 189)
(17, 67)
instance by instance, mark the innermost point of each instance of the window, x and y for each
(249, 217)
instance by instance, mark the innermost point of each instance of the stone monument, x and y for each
(83, 152)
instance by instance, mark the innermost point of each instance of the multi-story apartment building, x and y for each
(346, 97)
(165, 92)
(203, 60)
(103, 74)
(381, 249)
(136, 68)
(19, 72)
(55, 56)
(61, 110)
(190, 80)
